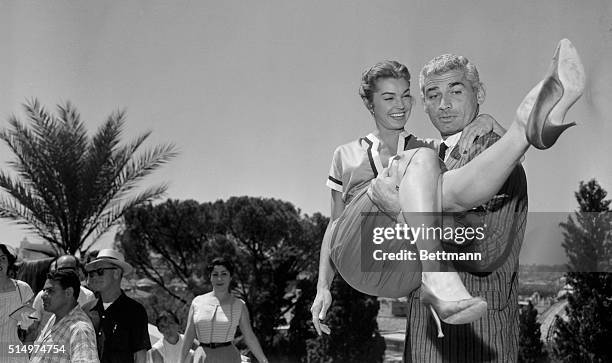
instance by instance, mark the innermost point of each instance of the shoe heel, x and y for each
(462, 311)
(562, 86)
(437, 320)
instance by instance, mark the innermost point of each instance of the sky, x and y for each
(257, 95)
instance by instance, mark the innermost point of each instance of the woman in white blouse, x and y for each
(13, 294)
(214, 317)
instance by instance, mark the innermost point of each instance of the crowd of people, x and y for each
(475, 167)
(70, 322)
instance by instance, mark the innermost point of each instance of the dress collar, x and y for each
(371, 144)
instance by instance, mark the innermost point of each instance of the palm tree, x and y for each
(70, 188)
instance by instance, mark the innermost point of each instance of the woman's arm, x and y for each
(323, 299)
(156, 357)
(189, 335)
(249, 337)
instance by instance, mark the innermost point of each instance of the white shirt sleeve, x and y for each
(334, 179)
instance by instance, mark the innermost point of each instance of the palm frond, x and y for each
(114, 213)
(143, 166)
(69, 187)
(19, 214)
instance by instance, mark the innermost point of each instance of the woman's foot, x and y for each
(543, 109)
(449, 300)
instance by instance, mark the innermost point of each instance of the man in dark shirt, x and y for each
(121, 323)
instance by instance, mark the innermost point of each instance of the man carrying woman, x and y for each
(424, 189)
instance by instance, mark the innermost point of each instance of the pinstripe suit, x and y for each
(494, 337)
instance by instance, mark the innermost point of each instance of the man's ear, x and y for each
(481, 94)
(69, 292)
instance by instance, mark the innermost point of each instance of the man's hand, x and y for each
(482, 125)
(384, 189)
(321, 303)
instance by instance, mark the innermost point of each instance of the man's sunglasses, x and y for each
(99, 271)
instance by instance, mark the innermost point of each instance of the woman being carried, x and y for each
(423, 189)
(13, 295)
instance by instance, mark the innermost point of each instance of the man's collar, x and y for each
(99, 303)
(452, 140)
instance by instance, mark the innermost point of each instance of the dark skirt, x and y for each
(227, 354)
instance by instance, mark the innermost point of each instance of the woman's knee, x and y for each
(424, 160)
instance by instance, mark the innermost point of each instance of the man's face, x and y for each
(54, 297)
(450, 101)
(103, 277)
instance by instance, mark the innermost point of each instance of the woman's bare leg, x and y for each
(419, 196)
(477, 182)
(540, 119)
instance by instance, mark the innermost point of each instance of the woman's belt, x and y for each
(215, 345)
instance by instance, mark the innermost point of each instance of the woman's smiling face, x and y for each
(220, 277)
(391, 103)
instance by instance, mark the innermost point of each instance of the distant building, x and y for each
(35, 251)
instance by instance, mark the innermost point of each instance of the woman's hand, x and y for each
(482, 125)
(321, 303)
(384, 189)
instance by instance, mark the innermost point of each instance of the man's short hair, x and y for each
(77, 263)
(448, 62)
(66, 279)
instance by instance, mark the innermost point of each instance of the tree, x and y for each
(584, 336)
(166, 243)
(278, 245)
(301, 329)
(587, 236)
(271, 242)
(70, 188)
(530, 344)
(354, 331)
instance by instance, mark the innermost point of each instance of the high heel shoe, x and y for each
(451, 302)
(549, 101)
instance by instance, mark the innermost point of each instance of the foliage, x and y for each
(70, 188)
(584, 335)
(272, 244)
(174, 236)
(300, 328)
(354, 331)
(587, 233)
(530, 344)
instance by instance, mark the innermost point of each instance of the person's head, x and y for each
(451, 92)
(61, 291)
(7, 259)
(168, 324)
(106, 270)
(220, 272)
(65, 262)
(385, 91)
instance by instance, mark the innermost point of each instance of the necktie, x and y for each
(442, 151)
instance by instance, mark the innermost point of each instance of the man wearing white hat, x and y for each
(120, 322)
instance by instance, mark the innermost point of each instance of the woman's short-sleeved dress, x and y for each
(217, 323)
(9, 340)
(354, 166)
